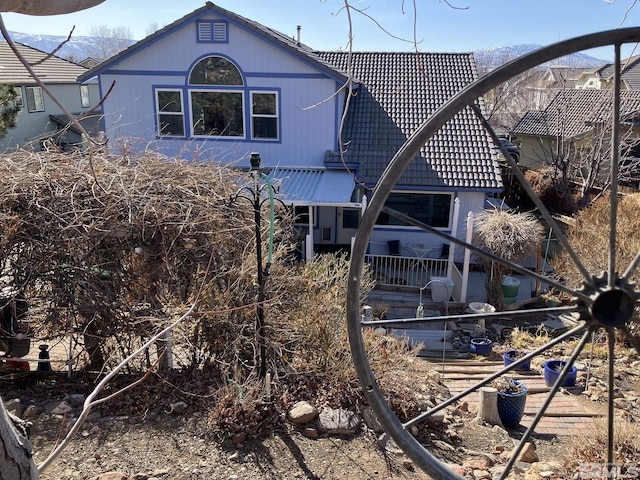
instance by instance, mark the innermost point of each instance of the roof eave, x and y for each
(210, 7)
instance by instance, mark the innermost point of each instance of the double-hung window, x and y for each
(264, 115)
(170, 113)
(84, 96)
(35, 99)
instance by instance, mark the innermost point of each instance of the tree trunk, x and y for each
(16, 461)
(488, 409)
(46, 7)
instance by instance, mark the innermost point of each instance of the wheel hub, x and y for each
(611, 306)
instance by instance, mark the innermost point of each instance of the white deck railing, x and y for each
(395, 270)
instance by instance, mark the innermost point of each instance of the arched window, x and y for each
(215, 71)
(218, 103)
(217, 112)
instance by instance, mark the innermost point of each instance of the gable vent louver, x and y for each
(213, 32)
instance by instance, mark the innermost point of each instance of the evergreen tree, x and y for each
(8, 108)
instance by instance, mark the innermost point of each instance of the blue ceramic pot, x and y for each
(511, 406)
(552, 369)
(511, 356)
(481, 346)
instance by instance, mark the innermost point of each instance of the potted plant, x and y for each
(552, 369)
(513, 355)
(512, 397)
(481, 346)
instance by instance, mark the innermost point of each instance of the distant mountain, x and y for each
(76, 49)
(488, 59)
(79, 48)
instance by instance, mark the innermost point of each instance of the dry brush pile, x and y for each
(114, 249)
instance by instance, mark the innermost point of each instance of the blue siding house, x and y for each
(215, 86)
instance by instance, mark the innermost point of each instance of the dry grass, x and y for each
(591, 447)
(113, 250)
(589, 238)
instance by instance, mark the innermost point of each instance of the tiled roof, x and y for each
(630, 68)
(563, 77)
(52, 70)
(575, 112)
(397, 94)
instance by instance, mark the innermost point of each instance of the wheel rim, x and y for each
(604, 302)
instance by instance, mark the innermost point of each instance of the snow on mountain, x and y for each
(76, 49)
(79, 48)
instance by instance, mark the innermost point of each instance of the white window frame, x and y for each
(18, 102)
(264, 115)
(179, 113)
(38, 99)
(85, 100)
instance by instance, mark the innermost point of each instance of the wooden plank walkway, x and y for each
(568, 413)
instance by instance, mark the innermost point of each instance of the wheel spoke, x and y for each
(602, 301)
(631, 338)
(536, 200)
(492, 377)
(611, 334)
(521, 314)
(615, 158)
(631, 268)
(540, 413)
(488, 255)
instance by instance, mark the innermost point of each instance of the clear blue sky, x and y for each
(439, 28)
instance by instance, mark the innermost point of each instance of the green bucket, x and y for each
(509, 287)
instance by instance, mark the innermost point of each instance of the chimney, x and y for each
(298, 34)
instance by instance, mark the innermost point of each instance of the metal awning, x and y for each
(314, 186)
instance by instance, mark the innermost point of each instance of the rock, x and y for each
(58, 407)
(481, 475)
(408, 465)
(387, 444)
(311, 432)
(338, 422)
(527, 455)
(371, 420)
(302, 412)
(478, 463)
(177, 408)
(463, 407)
(442, 445)
(110, 476)
(459, 469)
(75, 399)
(33, 411)
(14, 406)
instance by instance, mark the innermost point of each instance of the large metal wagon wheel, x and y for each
(606, 301)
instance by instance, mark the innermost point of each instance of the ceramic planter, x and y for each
(511, 406)
(552, 369)
(511, 356)
(481, 346)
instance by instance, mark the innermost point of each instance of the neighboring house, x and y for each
(40, 119)
(576, 118)
(215, 86)
(602, 77)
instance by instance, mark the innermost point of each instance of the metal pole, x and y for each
(262, 350)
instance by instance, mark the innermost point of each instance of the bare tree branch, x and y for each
(53, 52)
